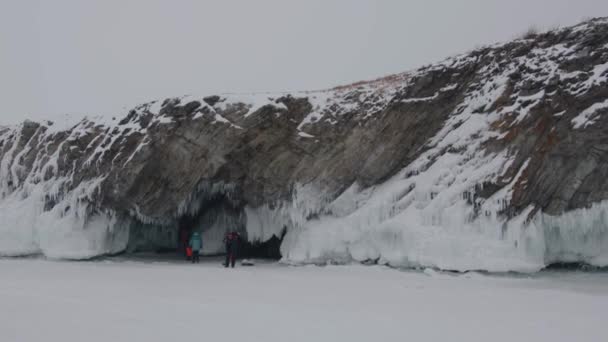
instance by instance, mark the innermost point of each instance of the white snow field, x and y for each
(143, 300)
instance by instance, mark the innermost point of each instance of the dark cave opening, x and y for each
(215, 216)
(270, 249)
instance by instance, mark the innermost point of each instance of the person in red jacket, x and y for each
(231, 240)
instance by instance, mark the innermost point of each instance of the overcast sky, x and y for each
(100, 57)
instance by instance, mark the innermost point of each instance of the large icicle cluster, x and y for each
(45, 212)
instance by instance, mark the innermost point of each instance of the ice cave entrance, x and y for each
(212, 220)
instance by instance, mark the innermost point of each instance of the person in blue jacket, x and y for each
(196, 243)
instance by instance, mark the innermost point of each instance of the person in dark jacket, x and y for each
(196, 243)
(183, 243)
(231, 240)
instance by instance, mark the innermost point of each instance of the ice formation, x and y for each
(428, 213)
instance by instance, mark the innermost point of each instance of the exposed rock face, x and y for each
(495, 159)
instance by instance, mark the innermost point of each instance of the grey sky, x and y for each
(98, 57)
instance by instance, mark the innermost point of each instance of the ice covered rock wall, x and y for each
(495, 159)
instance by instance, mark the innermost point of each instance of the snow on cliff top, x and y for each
(330, 104)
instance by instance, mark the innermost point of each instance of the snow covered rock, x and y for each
(492, 160)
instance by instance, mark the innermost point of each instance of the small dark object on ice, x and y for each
(247, 262)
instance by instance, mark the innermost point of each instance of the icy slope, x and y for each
(494, 160)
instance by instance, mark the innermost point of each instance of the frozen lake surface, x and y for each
(149, 300)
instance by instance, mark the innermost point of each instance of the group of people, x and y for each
(232, 240)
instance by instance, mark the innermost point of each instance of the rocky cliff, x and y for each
(496, 159)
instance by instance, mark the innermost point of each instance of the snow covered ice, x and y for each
(151, 300)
